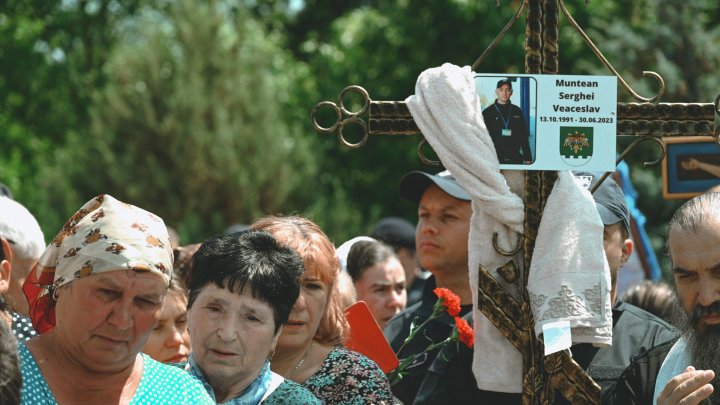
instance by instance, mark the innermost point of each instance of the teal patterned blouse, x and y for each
(159, 384)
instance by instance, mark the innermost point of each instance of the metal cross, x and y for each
(645, 120)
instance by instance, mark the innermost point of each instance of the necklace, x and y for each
(302, 360)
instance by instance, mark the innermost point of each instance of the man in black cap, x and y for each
(610, 203)
(634, 330)
(450, 378)
(399, 233)
(441, 238)
(507, 127)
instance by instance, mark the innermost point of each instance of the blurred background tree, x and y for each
(680, 40)
(52, 55)
(199, 111)
(192, 122)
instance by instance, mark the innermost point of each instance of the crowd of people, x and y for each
(113, 311)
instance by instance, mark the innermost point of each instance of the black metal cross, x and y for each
(645, 120)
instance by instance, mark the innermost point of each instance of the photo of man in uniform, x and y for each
(508, 129)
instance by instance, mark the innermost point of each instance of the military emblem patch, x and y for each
(576, 145)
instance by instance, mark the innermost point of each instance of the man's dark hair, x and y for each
(365, 254)
(252, 259)
(696, 211)
(502, 82)
(10, 377)
(693, 213)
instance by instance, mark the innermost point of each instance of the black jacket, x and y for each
(436, 331)
(513, 149)
(636, 385)
(450, 378)
(635, 331)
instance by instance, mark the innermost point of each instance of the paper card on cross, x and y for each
(550, 122)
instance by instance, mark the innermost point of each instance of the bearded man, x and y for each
(687, 375)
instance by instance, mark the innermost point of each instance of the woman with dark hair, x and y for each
(169, 341)
(242, 288)
(10, 379)
(379, 279)
(95, 296)
(309, 350)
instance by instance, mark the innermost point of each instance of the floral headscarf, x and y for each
(104, 235)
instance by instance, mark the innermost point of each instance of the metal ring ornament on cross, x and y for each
(351, 117)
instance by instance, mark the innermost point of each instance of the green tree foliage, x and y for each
(679, 39)
(383, 46)
(201, 111)
(51, 54)
(191, 124)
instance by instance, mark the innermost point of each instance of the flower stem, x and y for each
(396, 375)
(437, 310)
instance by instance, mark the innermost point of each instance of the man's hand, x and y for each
(688, 388)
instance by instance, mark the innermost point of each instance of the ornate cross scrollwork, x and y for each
(647, 119)
(343, 116)
(634, 119)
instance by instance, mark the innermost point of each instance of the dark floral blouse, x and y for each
(349, 378)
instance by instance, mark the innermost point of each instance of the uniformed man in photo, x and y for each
(508, 129)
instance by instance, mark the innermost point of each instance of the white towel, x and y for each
(447, 111)
(569, 274)
(677, 360)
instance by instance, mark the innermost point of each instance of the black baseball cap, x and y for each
(395, 231)
(413, 185)
(504, 81)
(609, 199)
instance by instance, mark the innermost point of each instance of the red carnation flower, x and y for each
(449, 300)
(467, 335)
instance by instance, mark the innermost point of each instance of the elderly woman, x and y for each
(379, 279)
(309, 350)
(95, 296)
(241, 290)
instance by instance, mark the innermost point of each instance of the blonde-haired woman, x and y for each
(310, 350)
